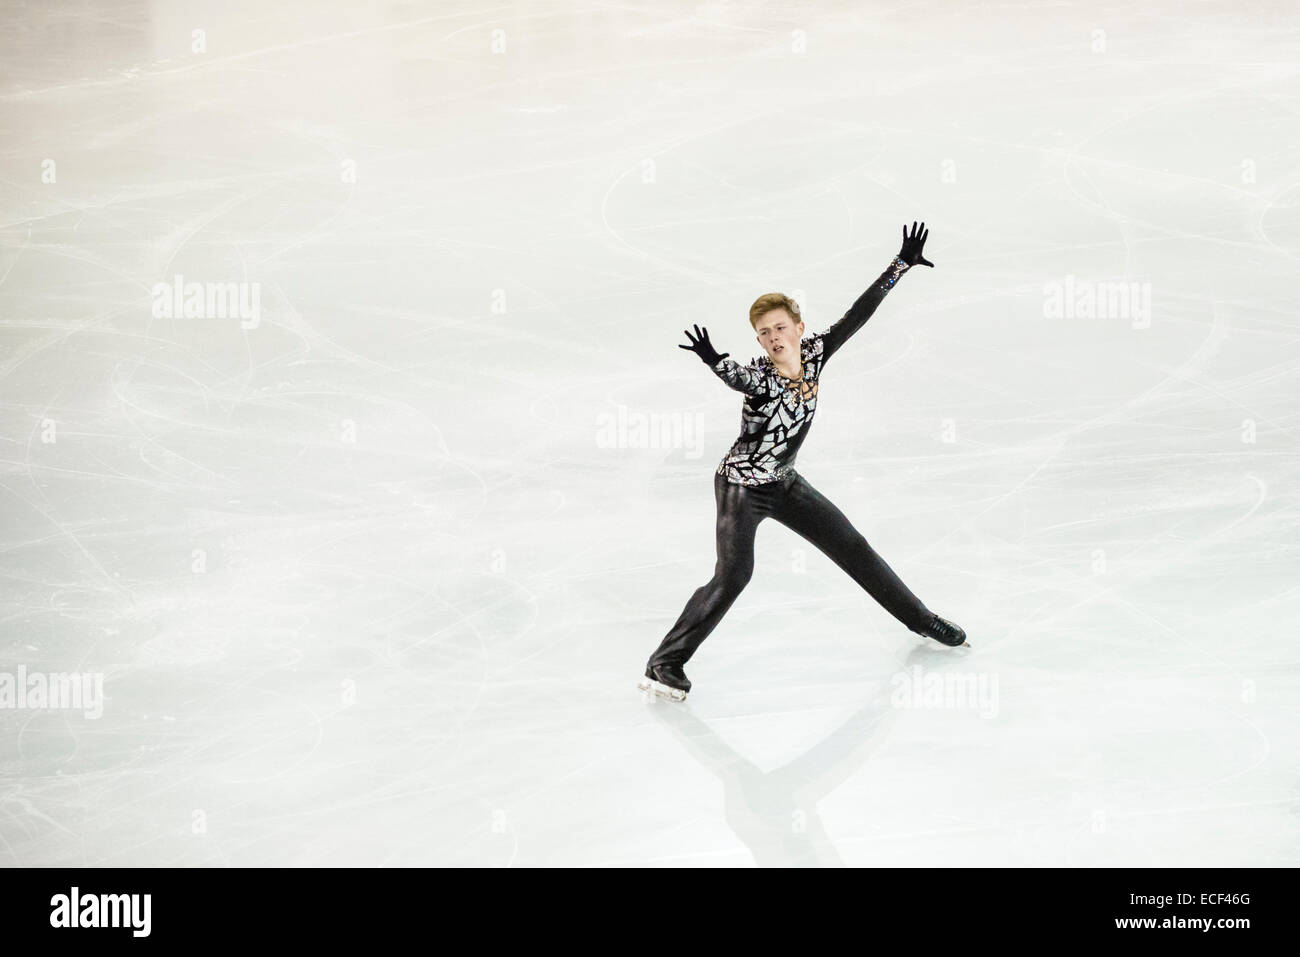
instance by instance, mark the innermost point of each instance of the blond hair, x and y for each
(773, 300)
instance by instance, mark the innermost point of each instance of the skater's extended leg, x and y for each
(808, 512)
(740, 509)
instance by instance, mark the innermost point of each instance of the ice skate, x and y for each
(666, 681)
(944, 632)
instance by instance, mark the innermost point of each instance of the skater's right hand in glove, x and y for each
(912, 246)
(701, 346)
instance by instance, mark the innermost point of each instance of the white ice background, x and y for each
(367, 583)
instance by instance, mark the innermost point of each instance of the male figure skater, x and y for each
(756, 478)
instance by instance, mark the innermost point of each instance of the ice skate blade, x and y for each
(964, 644)
(661, 690)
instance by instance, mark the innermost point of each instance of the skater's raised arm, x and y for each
(728, 370)
(853, 320)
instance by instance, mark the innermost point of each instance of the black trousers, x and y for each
(800, 507)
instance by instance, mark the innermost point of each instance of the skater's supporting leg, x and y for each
(740, 509)
(806, 511)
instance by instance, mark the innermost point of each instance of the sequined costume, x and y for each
(757, 480)
(777, 411)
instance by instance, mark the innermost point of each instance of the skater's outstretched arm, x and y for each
(738, 377)
(853, 320)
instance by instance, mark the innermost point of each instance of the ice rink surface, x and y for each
(369, 571)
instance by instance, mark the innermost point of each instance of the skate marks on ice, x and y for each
(775, 812)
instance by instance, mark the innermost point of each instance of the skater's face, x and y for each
(779, 334)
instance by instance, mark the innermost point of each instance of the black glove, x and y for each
(912, 245)
(702, 347)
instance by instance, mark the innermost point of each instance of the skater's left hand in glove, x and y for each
(913, 244)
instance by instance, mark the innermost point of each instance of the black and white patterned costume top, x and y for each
(777, 411)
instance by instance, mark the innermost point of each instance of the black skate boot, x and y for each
(666, 681)
(944, 632)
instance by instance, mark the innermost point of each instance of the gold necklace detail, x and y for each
(798, 386)
(802, 369)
